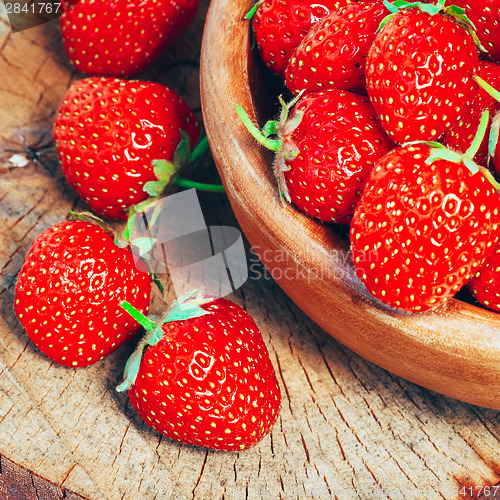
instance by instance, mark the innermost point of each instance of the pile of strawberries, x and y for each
(392, 127)
(201, 374)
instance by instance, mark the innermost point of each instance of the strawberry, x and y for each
(69, 289)
(461, 135)
(325, 149)
(419, 72)
(109, 131)
(333, 53)
(203, 376)
(280, 25)
(485, 285)
(485, 15)
(122, 37)
(423, 227)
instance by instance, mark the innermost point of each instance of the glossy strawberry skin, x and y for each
(485, 15)
(485, 285)
(339, 138)
(122, 37)
(109, 131)
(420, 231)
(461, 135)
(419, 75)
(209, 381)
(69, 289)
(280, 25)
(333, 53)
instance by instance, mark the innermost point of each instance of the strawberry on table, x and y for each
(109, 131)
(425, 224)
(419, 71)
(333, 53)
(280, 25)
(69, 289)
(122, 37)
(202, 376)
(325, 150)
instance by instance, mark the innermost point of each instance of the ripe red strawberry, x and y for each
(205, 378)
(122, 37)
(485, 285)
(69, 289)
(422, 228)
(419, 72)
(333, 53)
(485, 15)
(109, 131)
(461, 135)
(325, 151)
(280, 25)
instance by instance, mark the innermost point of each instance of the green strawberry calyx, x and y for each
(457, 13)
(495, 122)
(167, 172)
(276, 135)
(187, 307)
(440, 152)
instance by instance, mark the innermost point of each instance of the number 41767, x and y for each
(480, 491)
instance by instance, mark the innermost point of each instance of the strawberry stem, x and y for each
(200, 149)
(262, 138)
(145, 322)
(200, 186)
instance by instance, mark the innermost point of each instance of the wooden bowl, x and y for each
(454, 349)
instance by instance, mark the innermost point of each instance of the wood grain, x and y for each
(454, 349)
(347, 429)
(17, 483)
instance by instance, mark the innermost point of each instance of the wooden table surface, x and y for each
(347, 428)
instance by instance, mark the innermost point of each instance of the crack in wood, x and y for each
(308, 458)
(200, 474)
